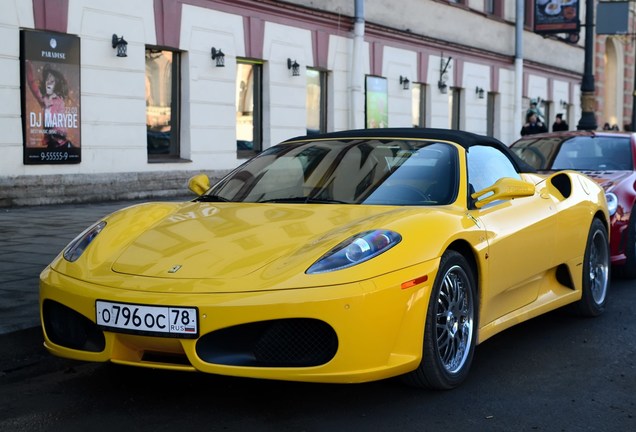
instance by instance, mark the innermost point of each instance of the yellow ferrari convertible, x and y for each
(345, 257)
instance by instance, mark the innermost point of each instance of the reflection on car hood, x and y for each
(229, 240)
(607, 179)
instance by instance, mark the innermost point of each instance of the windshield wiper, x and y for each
(211, 198)
(300, 200)
(303, 200)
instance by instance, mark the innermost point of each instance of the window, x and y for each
(528, 13)
(347, 171)
(489, 7)
(547, 110)
(490, 115)
(418, 105)
(249, 108)
(316, 101)
(162, 104)
(593, 154)
(486, 165)
(377, 102)
(494, 8)
(455, 108)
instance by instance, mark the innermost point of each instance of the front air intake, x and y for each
(70, 329)
(295, 342)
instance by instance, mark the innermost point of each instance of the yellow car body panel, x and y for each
(529, 287)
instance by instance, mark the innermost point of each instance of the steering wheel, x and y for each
(538, 155)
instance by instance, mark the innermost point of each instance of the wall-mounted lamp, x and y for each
(218, 57)
(479, 92)
(404, 82)
(121, 45)
(441, 84)
(564, 104)
(294, 66)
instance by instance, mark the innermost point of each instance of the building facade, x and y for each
(614, 69)
(166, 89)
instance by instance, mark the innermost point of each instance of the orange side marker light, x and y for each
(413, 282)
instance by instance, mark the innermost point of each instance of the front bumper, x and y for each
(354, 332)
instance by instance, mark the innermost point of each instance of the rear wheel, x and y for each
(450, 332)
(596, 268)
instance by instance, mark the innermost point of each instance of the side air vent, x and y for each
(564, 277)
(562, 183)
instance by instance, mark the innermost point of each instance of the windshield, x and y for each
(380, 172)
(584, 153)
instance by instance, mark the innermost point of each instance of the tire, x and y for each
(450, 332)
(628, 270)
(596, 272)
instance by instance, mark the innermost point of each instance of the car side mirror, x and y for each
(199, 184)
(504, 189)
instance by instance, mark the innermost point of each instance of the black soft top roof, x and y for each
(464, 139)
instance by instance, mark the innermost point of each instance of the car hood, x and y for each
(607, 179)
(231, 240)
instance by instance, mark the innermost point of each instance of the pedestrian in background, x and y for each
(534, 108)
(560, 124)
(533, 125)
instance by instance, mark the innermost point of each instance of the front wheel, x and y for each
(450, 333)
(596, 268)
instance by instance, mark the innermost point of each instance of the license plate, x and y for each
(167, 321)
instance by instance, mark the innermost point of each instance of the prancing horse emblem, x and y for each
(174, 269)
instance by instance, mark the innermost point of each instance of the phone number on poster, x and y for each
(53, 156)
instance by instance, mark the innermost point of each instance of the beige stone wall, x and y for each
(84, 188)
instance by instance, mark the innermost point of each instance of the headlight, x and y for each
(355, 250)
(612, 203)
(76, 248)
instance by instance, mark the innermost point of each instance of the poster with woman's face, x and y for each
(377, 102)
(50, 76)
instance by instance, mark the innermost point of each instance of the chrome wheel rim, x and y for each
(599, 267)
(454, 319)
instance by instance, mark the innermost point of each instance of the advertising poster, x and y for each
(50, 78)
(377, 102)
(556, 16)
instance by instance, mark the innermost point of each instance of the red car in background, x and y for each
(607, 157)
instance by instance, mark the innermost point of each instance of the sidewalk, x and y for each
(30, 237)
